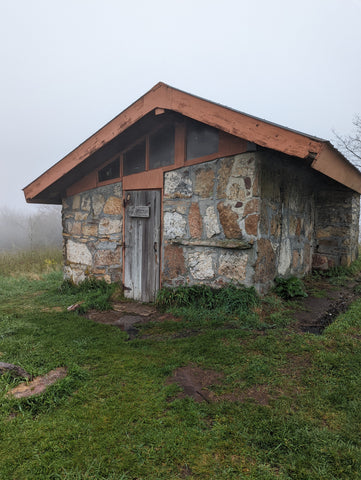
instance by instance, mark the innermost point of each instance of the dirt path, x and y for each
(316, 312)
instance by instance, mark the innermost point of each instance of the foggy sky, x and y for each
(70, 66)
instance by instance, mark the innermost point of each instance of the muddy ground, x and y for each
(312, 314)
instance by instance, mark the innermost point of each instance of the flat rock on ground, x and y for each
(38, 385)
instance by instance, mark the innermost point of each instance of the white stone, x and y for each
(97, 203)
(174, 225)
(86, 203)
(233, 266)
(285, 256)
(76, 202)
(200, 264)
(178, 184)
(108, 226)
(210, 221)
(76, 275)
(78, 253)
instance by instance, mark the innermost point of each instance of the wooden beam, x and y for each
(330, 162)
(162, 97)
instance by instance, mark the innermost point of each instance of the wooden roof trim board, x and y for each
(242, 125)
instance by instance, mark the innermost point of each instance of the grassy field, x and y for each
(287, 406)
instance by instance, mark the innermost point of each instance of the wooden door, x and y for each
(142, 244)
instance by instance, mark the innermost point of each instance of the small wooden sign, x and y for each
(142, 211)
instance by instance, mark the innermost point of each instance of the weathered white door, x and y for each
(141, 241)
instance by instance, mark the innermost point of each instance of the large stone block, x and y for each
(174, 225)
(201, 265)
(233, 266)
(204, 182)
(76, 202)
(211, 224)
(113, 206)
(195, 221)
(97, 203)
(78, 253)
(174, 265)
(108, 226)
(251, 224)
(177, 184)
(229, 221)
(107, 257)
(86, 202)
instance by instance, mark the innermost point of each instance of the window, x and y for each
(112, 170)
(202, 140)
(134, 159)
(161, 148)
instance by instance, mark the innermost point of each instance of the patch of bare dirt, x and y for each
(128, 316)
(315, 314)
(39, 384)
(194, 382)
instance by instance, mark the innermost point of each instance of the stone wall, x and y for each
(92, 232)
(247, 218)
(253, 217)
(211, 214)
(307, 220)
(286, 230)
(336, 225)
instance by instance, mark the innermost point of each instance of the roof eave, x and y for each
(332, 163)
(236, 123)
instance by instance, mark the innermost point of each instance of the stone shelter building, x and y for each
(180, 190)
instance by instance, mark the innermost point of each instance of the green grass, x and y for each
(115, 416)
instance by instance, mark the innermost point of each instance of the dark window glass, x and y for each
(112, 170)
(201, 140)
(161, 148)
(134, 159)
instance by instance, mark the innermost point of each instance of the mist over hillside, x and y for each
(21, 230)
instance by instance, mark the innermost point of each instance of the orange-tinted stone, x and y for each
(251, 224)
(195, 221)
(174, 265)
(229, 221)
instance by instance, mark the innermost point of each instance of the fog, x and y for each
(69, 67)
(24, 230)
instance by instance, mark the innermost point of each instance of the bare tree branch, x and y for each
(350, 145)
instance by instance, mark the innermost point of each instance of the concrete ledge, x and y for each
(224, 243)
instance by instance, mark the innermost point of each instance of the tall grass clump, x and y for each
(230, 299)
(91, 293)
(30, 262)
